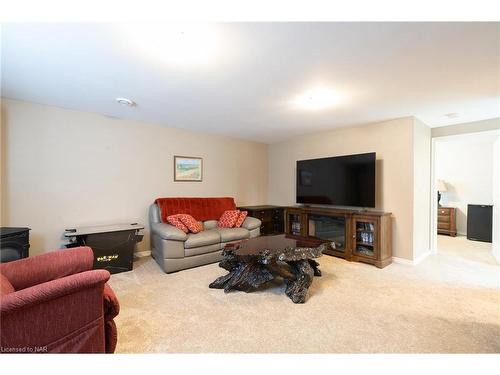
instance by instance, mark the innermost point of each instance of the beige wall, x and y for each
(421, 188)
(67, 168)
(468, 127)
(393, 143)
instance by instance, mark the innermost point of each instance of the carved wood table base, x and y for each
(253, 263)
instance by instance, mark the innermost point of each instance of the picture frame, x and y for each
(188, 169)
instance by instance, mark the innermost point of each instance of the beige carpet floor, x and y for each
(450, 303)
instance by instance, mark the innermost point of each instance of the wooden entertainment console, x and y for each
(359, 235)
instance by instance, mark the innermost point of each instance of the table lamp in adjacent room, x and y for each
(441, 186)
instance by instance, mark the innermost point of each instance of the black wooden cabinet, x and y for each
(272, 218)
(14, 243)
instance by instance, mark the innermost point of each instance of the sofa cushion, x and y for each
(233, 234)
(202, 250)
(175, 220)
(228, 218)
(206, 237)
(210, 224)
(241, 218)
(190, 222)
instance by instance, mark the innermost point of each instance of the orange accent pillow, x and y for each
(176, 222)
(241, 219)
(228, 219)
(190, 222)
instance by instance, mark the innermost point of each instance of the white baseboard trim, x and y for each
(398, 260)
(141, 254)
(424, 255)
(412, 262)
(496, 252)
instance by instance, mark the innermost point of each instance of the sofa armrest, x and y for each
(251, 223)
(24, 273)
(168, 232)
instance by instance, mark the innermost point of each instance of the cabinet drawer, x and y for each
(444, 219)
(258, 215)
(444, 211)
(265, 213)
(443, 225)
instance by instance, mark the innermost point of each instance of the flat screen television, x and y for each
(340, 181)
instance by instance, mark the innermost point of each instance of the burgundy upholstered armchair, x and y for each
(56, 303)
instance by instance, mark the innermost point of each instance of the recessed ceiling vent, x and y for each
(125, 101)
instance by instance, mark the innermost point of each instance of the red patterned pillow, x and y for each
(241, 219)
(228, 219)
(191, 223)
(176, 222)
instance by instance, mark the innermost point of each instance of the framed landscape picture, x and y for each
(188, 168)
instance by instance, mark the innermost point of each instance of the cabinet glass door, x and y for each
(365, 237)
(294, 224)
(327, 227)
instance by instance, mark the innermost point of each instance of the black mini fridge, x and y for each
(479, 222)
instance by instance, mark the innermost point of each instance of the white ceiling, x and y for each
(380, 70)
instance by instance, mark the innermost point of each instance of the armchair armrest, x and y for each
(63, 315)
(168, 232)
(251, 223)
(48, 291)
(111, 304)
(24, 273)
(111, 309)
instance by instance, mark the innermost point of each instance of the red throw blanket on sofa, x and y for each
(200, 208)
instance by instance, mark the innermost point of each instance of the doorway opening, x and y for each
(465, 179)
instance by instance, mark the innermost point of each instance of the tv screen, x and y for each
(340, 181)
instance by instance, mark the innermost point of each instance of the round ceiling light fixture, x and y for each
(318, 98)
(125, 101)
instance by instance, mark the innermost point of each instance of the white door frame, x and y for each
(434, 218)
(433, 207)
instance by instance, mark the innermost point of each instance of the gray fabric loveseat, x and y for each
(175, 250)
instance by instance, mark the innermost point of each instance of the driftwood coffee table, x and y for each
(252, 263)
